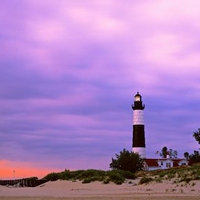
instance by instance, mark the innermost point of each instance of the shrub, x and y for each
(127, 174)
(92, 179)
(186, 179)
(52, 176)
(91, 173)
(87, 180)
(87, 176)
(106, 181)
(127, 161)
(116, 177)
(145, 180)
(66, 175)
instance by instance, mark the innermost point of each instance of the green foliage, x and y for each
(184, 174)
(145, 180)
(65, 175)
(127, 174)
(92, 179)
(195, 157)
(116, 177)
(90, 175)
(178, 174)
(127, 161)
(52, 176)
(171, 153)
(106, 181)
(164, 152)
(196, 165)
(196, 135)
(186, 155)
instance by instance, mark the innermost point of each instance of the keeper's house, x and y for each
(164, 163)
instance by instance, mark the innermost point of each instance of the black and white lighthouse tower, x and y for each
(138, 127)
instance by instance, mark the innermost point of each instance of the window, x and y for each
(168, 165)
(183, 163)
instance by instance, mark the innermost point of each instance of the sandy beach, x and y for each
(97, 190)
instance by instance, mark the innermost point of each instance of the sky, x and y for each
(69, 71)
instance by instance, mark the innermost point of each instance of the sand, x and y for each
(130, 190)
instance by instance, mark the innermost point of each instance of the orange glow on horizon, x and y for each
(17, 170)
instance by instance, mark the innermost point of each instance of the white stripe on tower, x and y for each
(138, 117)
(138, 127)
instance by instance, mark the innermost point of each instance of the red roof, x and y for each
(176, 161)
(152, 162)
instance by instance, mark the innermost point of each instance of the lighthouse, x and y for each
(138, 127)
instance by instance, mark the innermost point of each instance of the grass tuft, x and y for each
(91, 175)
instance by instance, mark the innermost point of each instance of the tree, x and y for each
(195, 158)
(127, 161)
(171, 153)
(164, 152)
(186, 155)
(196, 135)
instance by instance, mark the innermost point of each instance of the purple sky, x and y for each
(69, 71)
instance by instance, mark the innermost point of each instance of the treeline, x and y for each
(173, 154)
(195, 156)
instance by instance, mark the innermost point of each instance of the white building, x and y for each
(164, 163)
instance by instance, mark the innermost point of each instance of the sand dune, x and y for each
(97, 190)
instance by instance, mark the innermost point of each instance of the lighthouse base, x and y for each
(140, 150)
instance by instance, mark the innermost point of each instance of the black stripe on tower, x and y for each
(138, 136)
(138, 105)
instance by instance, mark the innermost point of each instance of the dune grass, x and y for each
(176, 174)
(184, 174)
(90, 175)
